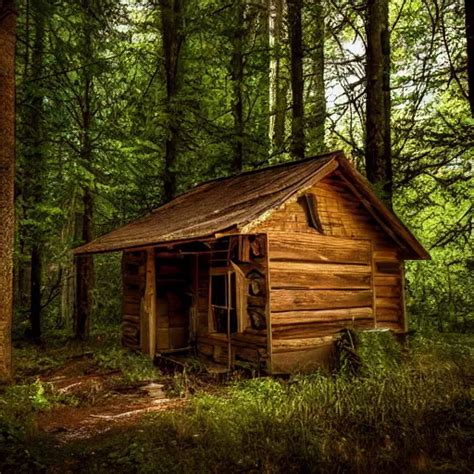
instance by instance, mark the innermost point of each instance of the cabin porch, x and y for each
(207, 298)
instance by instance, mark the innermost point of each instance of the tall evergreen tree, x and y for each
(297, 81)
(237, 77)
(172, 30)
(278, 80)
(378, 155)
(469, 20)
(7, 170)
(316, 101)
(34, 165)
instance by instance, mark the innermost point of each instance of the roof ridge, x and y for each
(258, 170)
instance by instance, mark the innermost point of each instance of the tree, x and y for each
(7, 165)
(297, 82)
(85, 117)
(237, 77)
(377, 128)
(172, 30)
(278, 80)
(34, 164)
(316, 102)
(469, 18)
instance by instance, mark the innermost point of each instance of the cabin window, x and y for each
(223, 301)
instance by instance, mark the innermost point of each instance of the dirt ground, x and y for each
(104, 403)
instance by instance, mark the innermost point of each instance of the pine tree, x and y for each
(7, 167)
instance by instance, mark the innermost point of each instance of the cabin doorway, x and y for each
(173, 301)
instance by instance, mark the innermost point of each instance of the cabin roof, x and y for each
(233, 203)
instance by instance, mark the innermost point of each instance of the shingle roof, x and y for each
(219, 205)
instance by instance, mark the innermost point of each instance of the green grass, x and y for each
(407, 410)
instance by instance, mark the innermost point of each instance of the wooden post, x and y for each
(268, 308)
(402, 289)
(193, 324)
(372, 283)
(148, 308)
(229, 304)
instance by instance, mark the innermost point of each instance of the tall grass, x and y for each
(406, 411)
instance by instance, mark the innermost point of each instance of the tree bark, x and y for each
(469, 8)
(85, 264)
(378, 157)
(7, 173)
(84, 274)
(172, 26)
(317, 101)
(278, 81)
(237, 76)
(297, 82)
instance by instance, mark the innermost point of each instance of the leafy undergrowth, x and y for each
(405, 410)
(62, 373)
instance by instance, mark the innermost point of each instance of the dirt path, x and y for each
(68, 424)
(103, 403)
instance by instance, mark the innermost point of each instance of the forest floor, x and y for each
(95, 407)
(111, 404)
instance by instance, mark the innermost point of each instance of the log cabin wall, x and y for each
(331, 266)
(133, 280)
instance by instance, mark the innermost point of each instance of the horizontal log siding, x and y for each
(319, 285)
(133, 280)
(345, 218)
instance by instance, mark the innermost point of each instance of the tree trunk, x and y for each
(84, 274)
(317, 93)
(172, 25)
(35, 292)
(378, 157)
(34, 168)
(297, 83)
(469, 6)
(85, 263)
(7, 173)
(278, 82)
(237, 76)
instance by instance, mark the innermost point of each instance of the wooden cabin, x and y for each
(265, 267)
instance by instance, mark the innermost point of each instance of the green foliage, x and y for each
(407, 416)
(134, 367)
(19, 407)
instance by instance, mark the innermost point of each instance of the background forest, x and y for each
(123, 104)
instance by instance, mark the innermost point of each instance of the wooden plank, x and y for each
(387, 291)
(148, 308)
(321, 316)
(303, 360)
(178, 337)
(283, 345)
(292, 277)
(392, 280)
(387, 303)
(288, 300)
(317, 268)
(404, 319)
(268, 306)
(386, 255)
(372, 281)
(318, 248)
(319, 329)
(162, 339)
